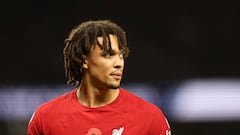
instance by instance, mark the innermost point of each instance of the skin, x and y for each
(102, 74)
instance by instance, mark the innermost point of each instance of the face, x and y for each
(104, 70)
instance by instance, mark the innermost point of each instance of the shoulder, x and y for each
(47, 112)
(55, 103)
(143, 108)
(139, 102)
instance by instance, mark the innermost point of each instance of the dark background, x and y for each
(169, 41)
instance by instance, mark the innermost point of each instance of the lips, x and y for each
(117, 75)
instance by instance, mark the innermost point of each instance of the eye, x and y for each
(107, 54)
(121, 55)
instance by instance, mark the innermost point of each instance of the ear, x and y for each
(85, 62)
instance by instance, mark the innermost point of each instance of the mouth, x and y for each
(116, 75)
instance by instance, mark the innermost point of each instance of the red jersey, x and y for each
(127, 115)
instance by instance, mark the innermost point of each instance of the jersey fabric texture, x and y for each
(126, 115)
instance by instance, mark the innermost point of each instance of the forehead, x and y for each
(111, 42)
(111, 37)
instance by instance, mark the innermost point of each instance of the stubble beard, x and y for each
(114, 86)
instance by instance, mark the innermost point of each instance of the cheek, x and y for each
(103, 68)
(100, 67)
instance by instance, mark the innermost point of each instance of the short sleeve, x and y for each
(160, 125)
(34, 127)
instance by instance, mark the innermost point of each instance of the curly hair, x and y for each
(82, 39)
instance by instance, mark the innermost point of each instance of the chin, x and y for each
(114, 86)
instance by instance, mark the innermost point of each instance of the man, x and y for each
(94, 61)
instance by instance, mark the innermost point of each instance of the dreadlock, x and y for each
(82, 39)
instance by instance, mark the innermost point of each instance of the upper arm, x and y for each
(34, 124)
(160, 125)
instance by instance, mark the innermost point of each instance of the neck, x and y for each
(94, 97)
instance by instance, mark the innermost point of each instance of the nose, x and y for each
(119, 62)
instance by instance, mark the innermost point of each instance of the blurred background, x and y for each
(184, 58)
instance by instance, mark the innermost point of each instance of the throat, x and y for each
(96, 98)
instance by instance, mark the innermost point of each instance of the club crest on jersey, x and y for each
(118, 131)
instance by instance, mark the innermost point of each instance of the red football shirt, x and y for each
(127, 115)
